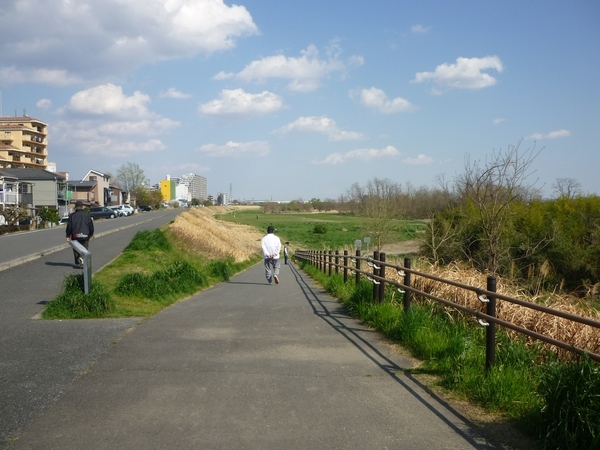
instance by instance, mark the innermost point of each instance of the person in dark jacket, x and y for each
(80, 227)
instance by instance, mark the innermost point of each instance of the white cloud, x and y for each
(44, 104)
(90, 39)
(236, 149)
(321, 124)
(96, 142)
(174, 93)
(365, 155)
(377, 99)
(239, 102)
(419, 29)
(305, 72)
(418, 161)
(467, 73)
(499, 120)
(104, 121)
(109, 100)
(12, 75)
(552, 135)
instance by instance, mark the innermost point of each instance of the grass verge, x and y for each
(154, 271)
(556, 403)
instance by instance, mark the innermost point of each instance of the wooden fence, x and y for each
(375, 271)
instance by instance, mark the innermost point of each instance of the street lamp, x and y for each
(367, 240)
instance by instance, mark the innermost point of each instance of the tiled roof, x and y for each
(31, 174)
(89, 184)
(19, 119)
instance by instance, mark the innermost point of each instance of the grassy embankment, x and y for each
(160, 267)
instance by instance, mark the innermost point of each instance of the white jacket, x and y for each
(271, 246)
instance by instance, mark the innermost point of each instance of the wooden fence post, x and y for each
(407, 293)
(375, 273)
(490, 332)
(345, 266)
(357, 281)
(382, 275)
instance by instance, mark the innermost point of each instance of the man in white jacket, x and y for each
(271, 247)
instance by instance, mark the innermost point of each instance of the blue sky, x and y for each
(292, 99)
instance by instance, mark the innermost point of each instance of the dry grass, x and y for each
(205, 235)
(576, 334)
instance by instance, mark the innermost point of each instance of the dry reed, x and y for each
(574, 333)
(206, 235)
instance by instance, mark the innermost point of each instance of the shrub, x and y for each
(178, 278)
(221, 270)
(149, 240)
(73, 303)
(320, 229)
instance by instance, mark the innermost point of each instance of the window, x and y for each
(93, 178)
(7, 134)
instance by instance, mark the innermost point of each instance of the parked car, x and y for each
(129, 209)
(145, 208)
(117, 209)
(102, 212)
(63, 220)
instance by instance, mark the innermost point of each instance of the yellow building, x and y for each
(167, 189)
(23, 142)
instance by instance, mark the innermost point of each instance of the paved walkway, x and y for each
(246, 365)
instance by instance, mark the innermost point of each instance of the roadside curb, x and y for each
(28, 258)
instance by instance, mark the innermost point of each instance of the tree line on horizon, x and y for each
(492, 216)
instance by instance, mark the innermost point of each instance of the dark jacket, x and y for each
(80, 225)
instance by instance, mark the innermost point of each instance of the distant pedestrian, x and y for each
(286, 252)
(271, 247)
(80, 228)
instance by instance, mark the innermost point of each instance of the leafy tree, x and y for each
(49, 216)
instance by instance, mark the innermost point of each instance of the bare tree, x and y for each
(492, 186)
(567, 187)
(132, 179)
(380, 201)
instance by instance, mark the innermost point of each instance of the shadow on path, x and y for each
(438, 406)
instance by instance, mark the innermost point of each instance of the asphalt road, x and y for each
(38, 358)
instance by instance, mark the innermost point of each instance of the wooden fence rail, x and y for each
(329, 261)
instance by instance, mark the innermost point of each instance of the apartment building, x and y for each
(23, 143)
(197, 186)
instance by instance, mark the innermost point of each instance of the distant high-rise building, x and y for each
(23, 142)
(197, 186)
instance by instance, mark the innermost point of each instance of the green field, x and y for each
(341, 230)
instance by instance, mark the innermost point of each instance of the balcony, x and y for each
(34, 138)
(9, 198)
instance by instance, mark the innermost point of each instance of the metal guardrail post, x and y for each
(86, 255)
(345, 266)
(490, 331)
(357, 281)
(407, 294)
